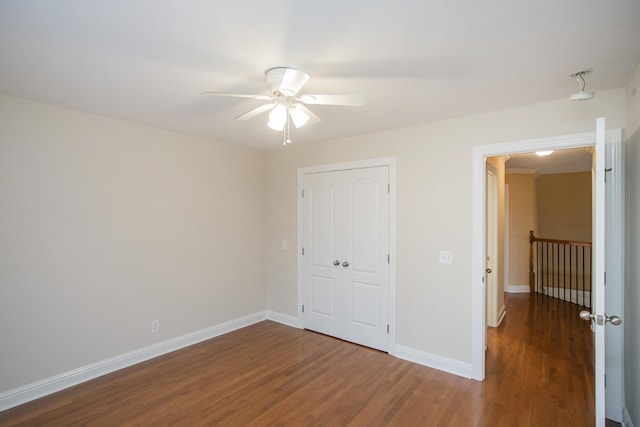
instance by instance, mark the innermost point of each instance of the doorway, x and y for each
(479, 245)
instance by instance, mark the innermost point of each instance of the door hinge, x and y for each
(389, 188)
(303, 251)
(303, 308)
(605, 173)
(388, 259)
(605, 277)
(387, 328)
(303, 193)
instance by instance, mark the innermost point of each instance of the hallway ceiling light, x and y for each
(544, 153)
(582, 95)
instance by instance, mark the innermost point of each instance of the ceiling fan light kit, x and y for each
(582, 95)
(286, 104)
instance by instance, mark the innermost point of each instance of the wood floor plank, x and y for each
(539, 372)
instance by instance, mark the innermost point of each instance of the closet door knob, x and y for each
(345, 264)
(336, 263)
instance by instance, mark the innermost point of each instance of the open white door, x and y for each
(491, 240)
(598, 317)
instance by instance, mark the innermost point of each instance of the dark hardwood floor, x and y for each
(539, 373)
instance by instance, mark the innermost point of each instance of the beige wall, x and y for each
(632, 254)
(434, 199)
(564, 206)
(107, 225)
(522, 218)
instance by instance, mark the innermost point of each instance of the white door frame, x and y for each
(390, 162)
(478, 314)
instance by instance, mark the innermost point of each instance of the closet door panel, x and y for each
(322, 297)
(365, 246)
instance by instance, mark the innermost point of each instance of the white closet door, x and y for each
(346, 264)
(365, 246)
(322, 279)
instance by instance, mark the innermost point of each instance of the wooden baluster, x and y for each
(532, 275)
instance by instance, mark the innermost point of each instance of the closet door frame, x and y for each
(390, 162)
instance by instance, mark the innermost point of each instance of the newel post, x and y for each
(532, 275)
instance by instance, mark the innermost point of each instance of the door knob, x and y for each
(614, 320)
(586, 315)
(345, 264)
(336, 262)
(488, 270)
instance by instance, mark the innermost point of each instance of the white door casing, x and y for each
(370, 274)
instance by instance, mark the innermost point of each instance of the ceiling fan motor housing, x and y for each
(286, 81)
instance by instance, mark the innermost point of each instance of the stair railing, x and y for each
(560, 269)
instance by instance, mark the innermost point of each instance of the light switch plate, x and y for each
(446, 257)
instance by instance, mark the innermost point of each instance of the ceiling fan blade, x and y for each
(348, 100)
(312, 117)
(255, 112)
(240, 95)
(293, 81)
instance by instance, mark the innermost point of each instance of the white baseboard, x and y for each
(517, 289)
(41, 388)
(441, 363)
(501, 314)
(285, 319)
(38, 389)
(626, 417)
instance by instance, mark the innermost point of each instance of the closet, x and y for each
(346, 254)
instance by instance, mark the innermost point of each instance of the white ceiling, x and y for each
(148, 61)
(560, 161)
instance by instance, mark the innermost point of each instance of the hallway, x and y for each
(540, 364)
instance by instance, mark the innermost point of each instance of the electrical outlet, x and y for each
(155, 326)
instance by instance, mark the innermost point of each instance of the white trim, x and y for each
(501, 314)
(522, 171)
(285, 319)
(390, 162)
(480, 153)
(41, 388)
(441, 363)
(517, 289)
(626, 417)
(506, 225)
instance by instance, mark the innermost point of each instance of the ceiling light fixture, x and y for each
(283, 114)
(278, 117)
(582, 95)
(544, 153)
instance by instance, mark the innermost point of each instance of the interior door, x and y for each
(491, 239)
(614, 290)
(322, 251)
(365, 256)
(346, 255)
(599, 317)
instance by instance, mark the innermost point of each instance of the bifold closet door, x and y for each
(346, 260)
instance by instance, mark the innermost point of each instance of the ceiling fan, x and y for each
(286, 103)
